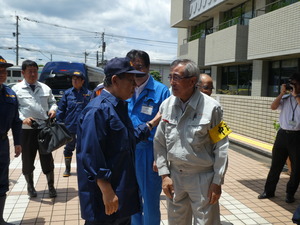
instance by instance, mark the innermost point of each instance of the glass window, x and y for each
(279, 73)
(16, 73)
(236, 80)
(238, 15)
(201, 30)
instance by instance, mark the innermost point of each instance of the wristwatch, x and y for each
(150, 125)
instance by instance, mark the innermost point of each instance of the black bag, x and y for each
(53, 136)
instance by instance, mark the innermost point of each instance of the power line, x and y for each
(96, 32)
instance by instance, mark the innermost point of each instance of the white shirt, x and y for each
(35, 104)
(289, 108)
(138, 90)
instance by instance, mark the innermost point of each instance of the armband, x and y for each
(219, 132)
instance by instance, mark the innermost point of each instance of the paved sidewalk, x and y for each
(239, 204)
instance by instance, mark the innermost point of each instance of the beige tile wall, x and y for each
(250, 116)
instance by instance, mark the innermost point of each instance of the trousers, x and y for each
(4, 166)
(30, 146)
(119, 221)
(149, 185)
(70, 147)
(287, 143)
(190, 199)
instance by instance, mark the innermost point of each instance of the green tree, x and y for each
(156, 75)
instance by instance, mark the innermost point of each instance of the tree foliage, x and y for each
(156, 75)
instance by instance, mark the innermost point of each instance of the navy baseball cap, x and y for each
(117, 66)
(3, 63)
(78, 74)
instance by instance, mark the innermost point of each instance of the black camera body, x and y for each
(34, 124)
(288, 87)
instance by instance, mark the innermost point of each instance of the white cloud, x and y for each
(142, 20)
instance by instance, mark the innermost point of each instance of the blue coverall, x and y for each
(141, 110)
(9, 119)
(105, 150)
(69, 108)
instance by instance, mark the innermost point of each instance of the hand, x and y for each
(111, 202)
(167, 186)
(110, 199)
(28, 121)
(154, 167)
(283, 89)
(52, 114)
(18, 150)
(214, 193)
(294, 93)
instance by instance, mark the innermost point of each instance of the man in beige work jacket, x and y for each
(191, 149)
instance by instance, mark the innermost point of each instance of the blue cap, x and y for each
(3, 63)
(117, 66)
(78, 74)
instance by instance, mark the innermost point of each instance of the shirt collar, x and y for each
(138, 90)
(27, 84)
(111, 98)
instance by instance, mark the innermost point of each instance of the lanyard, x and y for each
(293, 108)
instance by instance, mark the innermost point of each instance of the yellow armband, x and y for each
(219, 132)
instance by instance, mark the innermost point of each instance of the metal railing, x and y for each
(274, 6)
(242, 20)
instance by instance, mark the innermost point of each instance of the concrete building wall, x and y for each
(250, 115)
(227, 46)
(225, 40)
(275, 33)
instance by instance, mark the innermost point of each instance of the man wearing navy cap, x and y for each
(69, 107)
(9, 119)
(108, 190)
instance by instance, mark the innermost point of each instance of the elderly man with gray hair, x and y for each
(191, 149)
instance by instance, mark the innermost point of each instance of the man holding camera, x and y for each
(287, 140)
(36, 104)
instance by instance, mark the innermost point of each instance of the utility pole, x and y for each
(17, 40)
(103, 49)
(97, 59)
(85, 56)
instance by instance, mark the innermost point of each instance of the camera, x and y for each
(34, 124)
(288, 87)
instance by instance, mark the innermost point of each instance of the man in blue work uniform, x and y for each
(143, 106)
(9, 119)
(69, 107)
(106, 140)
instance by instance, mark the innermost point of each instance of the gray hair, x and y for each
(191, 68)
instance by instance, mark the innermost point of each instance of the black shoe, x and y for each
(289, 198)
(31, 192)
(265, 195)
(52, 192)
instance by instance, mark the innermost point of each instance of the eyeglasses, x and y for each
(206, 87)
(176, 78)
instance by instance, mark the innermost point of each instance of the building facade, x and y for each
(249, 47)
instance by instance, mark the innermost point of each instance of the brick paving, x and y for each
(239, 204)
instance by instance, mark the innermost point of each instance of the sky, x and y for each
(71, 30)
